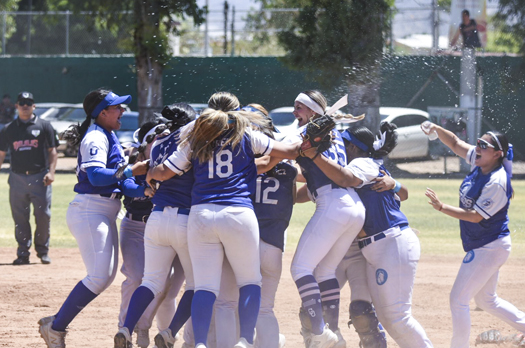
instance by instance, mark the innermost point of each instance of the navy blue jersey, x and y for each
(228, 178)
(176, 191)
(382, 208)
(99, 148)
(315, 178)
(273, 203)
(138, 205)
(488, 194)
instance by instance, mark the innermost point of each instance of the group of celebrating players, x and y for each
(208, 200)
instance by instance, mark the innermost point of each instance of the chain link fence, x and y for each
(229, 32)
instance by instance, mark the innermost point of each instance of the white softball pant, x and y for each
(478, 278)
(164, 238)
(92, 220)
(271, 269)
(339, 216)
(391, 270)
(218, 230)
(133, 255)
(353, 269)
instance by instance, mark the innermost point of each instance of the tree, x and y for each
(8, 6)
(510, 19)
(341, 41)
(148, 25)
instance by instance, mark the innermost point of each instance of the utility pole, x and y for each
(225, 47)
(435, 27)
(29, 27)
(233, 31)
(206, 33)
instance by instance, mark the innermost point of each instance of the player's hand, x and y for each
(309, 152)
(383, 183)
(140, 168)
(149, 192)
(428, 127)
(48, 179)
(150, 181)
(434, 200)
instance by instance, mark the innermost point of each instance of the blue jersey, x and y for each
(99, 148)
(228, 178)
(273, 203)
(176, 191)
(382, 208)
(488, 194)
(315, 178)
(138, 205)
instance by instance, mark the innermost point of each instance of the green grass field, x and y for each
(439, 233)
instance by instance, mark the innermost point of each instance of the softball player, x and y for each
(338, 218)
(165, 237)
(389, 246)
(221, 148)
(132, 229)
(484, 198)
(92, 215)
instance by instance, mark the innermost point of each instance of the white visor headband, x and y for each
(306, 100)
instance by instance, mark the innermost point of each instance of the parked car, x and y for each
(75, 115)
(412, 142)
(53, 111)
(284, 120)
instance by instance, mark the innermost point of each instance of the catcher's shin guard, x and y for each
(370, 331)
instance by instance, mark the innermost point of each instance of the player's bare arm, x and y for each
(159, 173)
(451, 140)
(469, 215)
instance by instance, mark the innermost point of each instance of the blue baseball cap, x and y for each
(110, 99)
(347, 136)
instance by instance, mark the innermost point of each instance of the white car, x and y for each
(411, 141)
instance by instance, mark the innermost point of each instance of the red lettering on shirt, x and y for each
(25, 144)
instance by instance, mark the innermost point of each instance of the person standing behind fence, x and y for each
(7, 109)
(32, 142)
(469, 32)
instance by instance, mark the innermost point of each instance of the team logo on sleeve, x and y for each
(469, 257)
(93, 151)
(381, 276)
(35, 132)
(487, 203)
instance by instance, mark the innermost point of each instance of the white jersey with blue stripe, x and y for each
(382, 208)
(315, 178)
(273, 203)
(176, 191)
(99, 148)
(228, 178)
(489, 195)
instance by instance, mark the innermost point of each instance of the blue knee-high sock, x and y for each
(249, 304)
(201, 310)
(311, 298)
(138, 303)
(330, 296)
(183, 312)
(79, 298)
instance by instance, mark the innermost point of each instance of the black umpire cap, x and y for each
(25, 96)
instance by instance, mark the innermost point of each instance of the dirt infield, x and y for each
(28, 293)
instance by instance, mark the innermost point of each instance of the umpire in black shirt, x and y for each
(33, 145)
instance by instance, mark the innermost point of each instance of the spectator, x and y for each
(7, 109)
(33, 144)
(469, 32)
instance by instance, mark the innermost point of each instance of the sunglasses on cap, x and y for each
(483, 144)
(27, 102)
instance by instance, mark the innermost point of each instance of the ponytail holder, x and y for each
(507, 161)
(380, 142)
